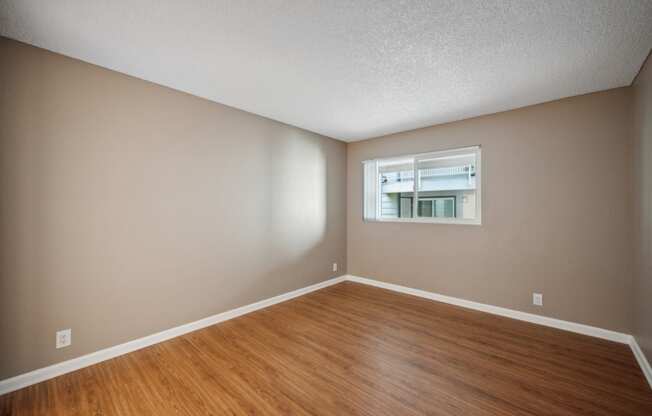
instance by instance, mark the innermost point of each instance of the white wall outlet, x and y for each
(334, 267)
(64, 338)
(537, 299)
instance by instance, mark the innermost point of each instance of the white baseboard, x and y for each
(521, 316)
(46, 373)
(642, 361)
(497, 310)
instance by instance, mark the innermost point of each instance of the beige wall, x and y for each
(128, 208)
(643, 191)
(557, 203)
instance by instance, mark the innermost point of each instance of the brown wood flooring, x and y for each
(352, 349)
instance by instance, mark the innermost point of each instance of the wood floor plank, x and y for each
(352, 349)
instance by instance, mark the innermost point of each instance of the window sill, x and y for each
(455, 221)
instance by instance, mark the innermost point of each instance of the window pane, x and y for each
(406, 207)
(425, 208)
(395, 176)
(438, 186)
(449, 207)
(389, 205)
(447, 180)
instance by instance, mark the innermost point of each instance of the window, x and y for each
(438, 206)
(440, 187)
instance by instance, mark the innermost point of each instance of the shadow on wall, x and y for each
(291, 214)
(128, 208)
(155, 237)
(297, 194)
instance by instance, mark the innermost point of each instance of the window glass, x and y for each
(426, 208)
(446, 189)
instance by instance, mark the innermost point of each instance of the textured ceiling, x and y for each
(352, 70)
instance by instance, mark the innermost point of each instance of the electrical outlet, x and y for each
(64, 338)
(334, 267)
(537, 299)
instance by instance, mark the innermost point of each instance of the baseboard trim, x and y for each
(642, 360)
(55, 370)
(497, 310)
(521, 316)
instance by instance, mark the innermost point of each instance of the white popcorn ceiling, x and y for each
(352, 69)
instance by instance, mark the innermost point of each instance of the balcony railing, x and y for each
(408, 175)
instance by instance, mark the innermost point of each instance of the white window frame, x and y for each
(371, 212)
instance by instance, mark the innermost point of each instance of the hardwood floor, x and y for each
(352, 349)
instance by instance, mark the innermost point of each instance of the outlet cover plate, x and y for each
(537, 299)
(64, 338)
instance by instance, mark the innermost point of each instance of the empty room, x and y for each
(328, 208)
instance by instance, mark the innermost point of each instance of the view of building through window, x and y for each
(446, 186)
